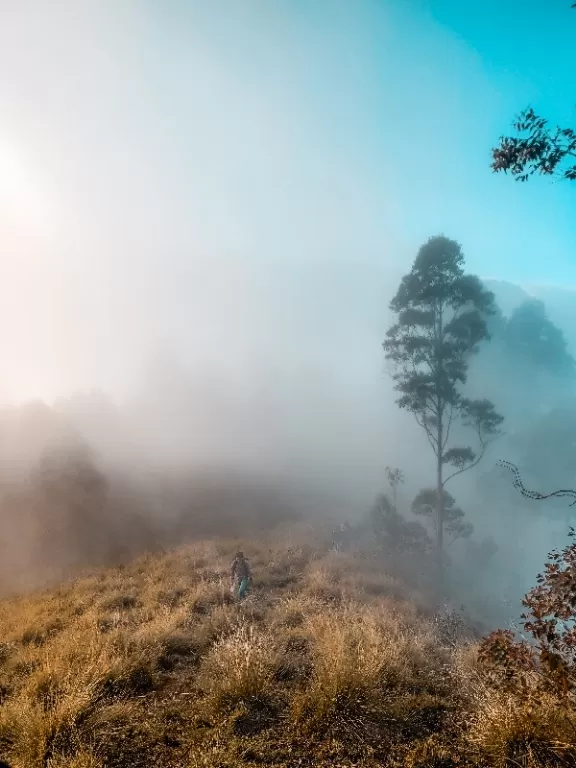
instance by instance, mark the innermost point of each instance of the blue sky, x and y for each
(408, 98)
(505, 56)
(194, 166)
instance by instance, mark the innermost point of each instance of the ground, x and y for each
(330, 662)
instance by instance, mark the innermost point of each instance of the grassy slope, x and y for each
(329, 662)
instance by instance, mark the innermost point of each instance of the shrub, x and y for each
(527, 715)
(549, 663)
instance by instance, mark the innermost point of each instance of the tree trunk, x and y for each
(440, 512)
(439, 456)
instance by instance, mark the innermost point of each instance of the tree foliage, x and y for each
(440, 322)
(425, 504)
(536, 149)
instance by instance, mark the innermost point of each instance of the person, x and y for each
(337, 539)
(341, 537)
(240, 575)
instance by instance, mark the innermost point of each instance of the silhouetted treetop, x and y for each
(536, 149)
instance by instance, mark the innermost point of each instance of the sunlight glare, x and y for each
(23, 196)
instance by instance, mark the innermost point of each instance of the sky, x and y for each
(240, 184)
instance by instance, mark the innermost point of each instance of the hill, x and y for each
(331, 661)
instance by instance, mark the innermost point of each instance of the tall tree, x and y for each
(440, 314)
(536, 149)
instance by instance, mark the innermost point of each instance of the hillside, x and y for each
(330, 661)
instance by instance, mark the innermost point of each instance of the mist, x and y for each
(204, 217)
(181, 238)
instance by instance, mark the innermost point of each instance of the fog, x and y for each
(197, 266)
(180, 237)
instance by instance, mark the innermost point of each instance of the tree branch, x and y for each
(431, 439)
(483, 446)
(450, 418)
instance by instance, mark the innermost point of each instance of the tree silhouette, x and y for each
(440, 322)
(530, 336)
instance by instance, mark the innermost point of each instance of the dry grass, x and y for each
(329, 662)
(510, 733)
(237, 669)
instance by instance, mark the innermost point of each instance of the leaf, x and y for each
(459, 457)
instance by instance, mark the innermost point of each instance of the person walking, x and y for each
(240, 575)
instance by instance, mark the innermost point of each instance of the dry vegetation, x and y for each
(330, 661)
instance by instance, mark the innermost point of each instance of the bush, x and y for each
(548, 664)
(527, 714)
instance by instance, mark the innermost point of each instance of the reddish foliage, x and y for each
(551, 621)
(506, 661)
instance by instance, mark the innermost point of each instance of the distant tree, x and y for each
(395, 478)
(537, 149)
(455, 526)
(395, 534)
(527, 346)
(440, 322)
(530, 336)
(72, 491)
